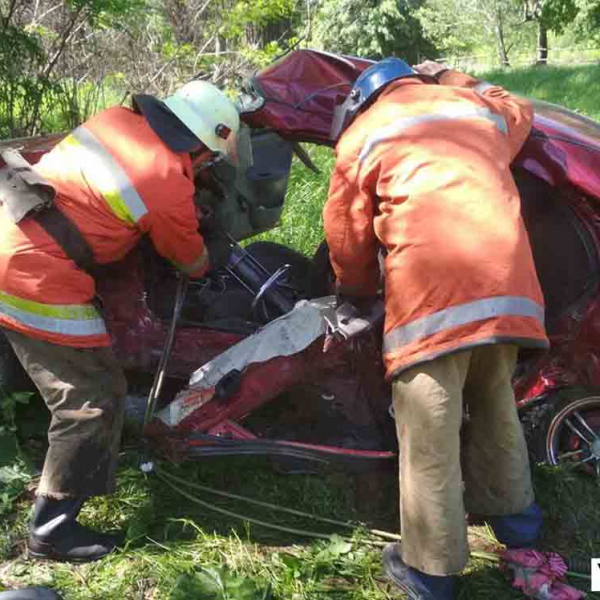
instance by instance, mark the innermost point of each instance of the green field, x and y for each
(182, 549)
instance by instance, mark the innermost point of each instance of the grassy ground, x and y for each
(577, 88)
(180, 549)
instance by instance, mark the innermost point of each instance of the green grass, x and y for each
(171, 539)
(302, 222)
(174, 545)
(577, 88)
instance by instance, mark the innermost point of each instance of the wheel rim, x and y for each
(574, 436)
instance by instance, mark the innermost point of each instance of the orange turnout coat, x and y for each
(116, 180)
(424, 172)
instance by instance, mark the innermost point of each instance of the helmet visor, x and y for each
(343, 115)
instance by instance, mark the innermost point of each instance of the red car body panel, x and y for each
(296, 97)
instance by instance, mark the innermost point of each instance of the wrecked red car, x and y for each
(266, 327)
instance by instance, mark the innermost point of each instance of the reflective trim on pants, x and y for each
(494, 466)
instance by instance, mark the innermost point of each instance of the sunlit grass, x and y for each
(577, 87)
(302, 222)
(169, 536)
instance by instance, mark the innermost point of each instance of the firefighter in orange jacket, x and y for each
(422, 171)
(122, 174)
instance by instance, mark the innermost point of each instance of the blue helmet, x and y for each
(367, 87)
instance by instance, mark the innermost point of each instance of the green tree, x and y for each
(372, 29)
(467, 26)
(44, 47)
(549, 15)
(587, 21)
(56, 55)
(218, 40)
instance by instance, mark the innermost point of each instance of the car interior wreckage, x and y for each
(265, 361)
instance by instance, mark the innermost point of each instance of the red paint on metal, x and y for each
(229, 429)
(261, 382)
(301, 91)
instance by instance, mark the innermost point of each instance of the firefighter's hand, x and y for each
(219, 249)
(430, 67)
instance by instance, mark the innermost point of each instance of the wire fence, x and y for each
(555, 56)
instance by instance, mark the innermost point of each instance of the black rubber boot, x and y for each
(54, 533)
(31, 593)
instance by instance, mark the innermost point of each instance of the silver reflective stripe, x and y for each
(458, 112)
(480, 88)
(109, 177)
(61, 326)
(488, 308)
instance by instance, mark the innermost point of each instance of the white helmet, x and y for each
(209, 114)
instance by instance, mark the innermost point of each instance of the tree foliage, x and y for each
(554, 15)
(58, 52)
(373, 29)
(60, 60)
(550, 15)
(463, 26)
(451, 29)
(44, 50)
(587, 20)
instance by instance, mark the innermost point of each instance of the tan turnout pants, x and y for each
(84, 389)
(428, 405)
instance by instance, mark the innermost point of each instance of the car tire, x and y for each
(566, 429)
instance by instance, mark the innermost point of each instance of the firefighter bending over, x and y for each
(122, 174)
(423, 172)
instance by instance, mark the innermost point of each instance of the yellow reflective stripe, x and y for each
(101, 170)
(198, 264)
(70, 319)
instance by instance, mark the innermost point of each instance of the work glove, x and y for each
(219, 249)
(431, 68)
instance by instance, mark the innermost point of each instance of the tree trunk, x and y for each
(501, 46)
(498, 28)
(542, 58)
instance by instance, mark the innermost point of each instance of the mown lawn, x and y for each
(178, 548)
